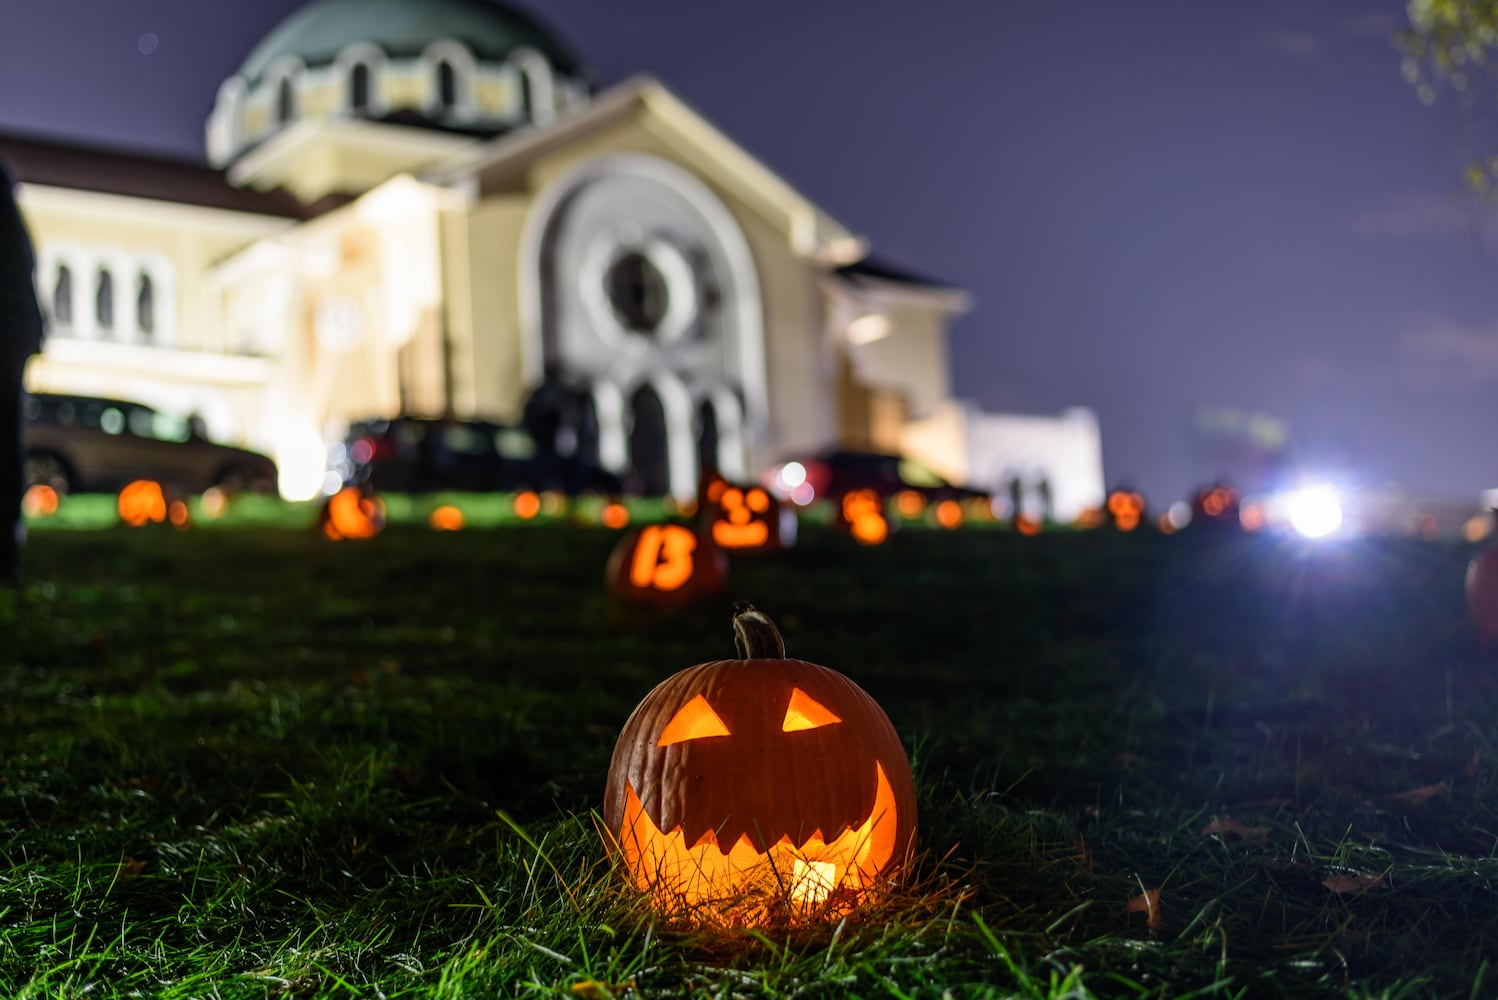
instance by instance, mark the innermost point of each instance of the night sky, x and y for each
(1157, 206)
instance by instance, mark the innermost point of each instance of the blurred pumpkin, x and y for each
(446, 518)
(861, 514)
(1482, 592)
(352, 514)
(760, 790)
(40, 500)
(666, 564)
(1126, 509)
(142, 502)
(744, 517)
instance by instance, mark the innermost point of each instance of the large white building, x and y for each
(423, 206)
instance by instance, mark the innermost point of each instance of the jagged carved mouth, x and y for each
(810, 874)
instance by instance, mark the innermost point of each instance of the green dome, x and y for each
(403, 28)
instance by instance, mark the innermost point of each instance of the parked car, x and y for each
(417, 454)
(834, 473)
(84, 444)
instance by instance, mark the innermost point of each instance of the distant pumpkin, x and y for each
(666, 564)
(1482, 592)
(352, 514)
(744, 518)
(142, 502)
(861, 514)
(760, 790)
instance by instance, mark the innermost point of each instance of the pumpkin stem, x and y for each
(754, 635)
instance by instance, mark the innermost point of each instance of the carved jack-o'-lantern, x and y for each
(1482, 592)
(1126, 509)
(861, 513)
(667, 564)
(760, 789)
(351, 513)
(745, 517)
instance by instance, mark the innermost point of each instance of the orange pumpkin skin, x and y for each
(667, 565)
(1482, 592)
(790, 797)
(351, 513)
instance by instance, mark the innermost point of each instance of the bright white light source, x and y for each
(1315, 511)
(1179, 514)
(792, 474)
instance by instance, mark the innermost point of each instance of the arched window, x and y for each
(447, 85)
(104, 300)
(145, 305)
(285, 101)
(358, 87)
(62, 296)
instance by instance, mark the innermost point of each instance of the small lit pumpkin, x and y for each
(40, 500)
(666, 564)
(1126, 509)
(759, 790)
(745, 518)
(861, 514)
(1482, 592)
(352, 514)
(142, 502)
(446, 518)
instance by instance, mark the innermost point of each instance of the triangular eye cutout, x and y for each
(693, 721)
(805, 712)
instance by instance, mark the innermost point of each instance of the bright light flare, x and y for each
(1315, 511)
(792, 474)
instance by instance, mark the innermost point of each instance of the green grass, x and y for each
(241, 761)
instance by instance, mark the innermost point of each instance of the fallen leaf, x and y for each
(1356, 882)
(1226, 826)
(129, 868)
(1415, 796)
(1148, 902)
(592, 989)
(1474, 763)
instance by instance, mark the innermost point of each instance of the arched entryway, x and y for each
(649, 454)
(707, 438)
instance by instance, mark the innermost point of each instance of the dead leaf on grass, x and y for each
(592, 989)
(1355, 882)
(1226, 826)
(129, 868)
(1148, 902)
(1475, 763)
(1416, 796)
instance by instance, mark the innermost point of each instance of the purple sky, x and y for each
(1157, 205)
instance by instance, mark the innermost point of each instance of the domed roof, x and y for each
(317, 32)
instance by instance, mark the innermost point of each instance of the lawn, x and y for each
(243, 761)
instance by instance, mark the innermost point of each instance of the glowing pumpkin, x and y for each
(142, 502)
(760, 790)
(527, 505)
(1482, 592)
(40, 500)
(446, 518)
(614, 515)
(352, 514)
(949, 514)
(1126, 509)
(666, 564)
(745, 517)
(861, 513)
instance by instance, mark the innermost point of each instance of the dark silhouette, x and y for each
(21, 330)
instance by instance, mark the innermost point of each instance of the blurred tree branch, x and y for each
(1451, 42)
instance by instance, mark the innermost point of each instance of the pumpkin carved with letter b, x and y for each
(763, 789)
